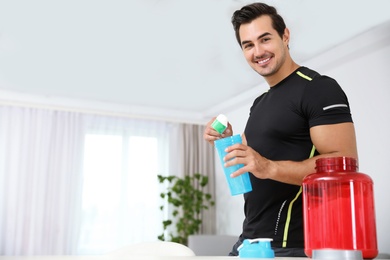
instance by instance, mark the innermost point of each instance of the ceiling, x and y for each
(158, 57)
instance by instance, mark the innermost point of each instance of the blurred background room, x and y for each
(97, 98)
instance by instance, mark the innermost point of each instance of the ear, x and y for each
(286, 36)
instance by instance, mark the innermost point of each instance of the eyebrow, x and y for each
(261, 36)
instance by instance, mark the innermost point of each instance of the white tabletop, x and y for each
(131, 257)
(137, 257)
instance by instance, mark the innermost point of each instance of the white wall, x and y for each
(361, 66)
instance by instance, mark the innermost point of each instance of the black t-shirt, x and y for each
(279, 129)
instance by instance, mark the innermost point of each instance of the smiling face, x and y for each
(265, 51)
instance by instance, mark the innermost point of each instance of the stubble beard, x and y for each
(272, 68)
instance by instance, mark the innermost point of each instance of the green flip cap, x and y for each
(220, 123)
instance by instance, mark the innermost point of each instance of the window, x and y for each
(120, 202)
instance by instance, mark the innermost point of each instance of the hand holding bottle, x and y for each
(217, 128)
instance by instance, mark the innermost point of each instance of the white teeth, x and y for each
(263, 61)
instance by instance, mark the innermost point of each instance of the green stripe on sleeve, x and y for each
(304, 76)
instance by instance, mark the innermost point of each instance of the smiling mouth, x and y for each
(261, 62)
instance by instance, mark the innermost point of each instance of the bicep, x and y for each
(335, 139)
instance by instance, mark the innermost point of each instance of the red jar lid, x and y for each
(332, 164)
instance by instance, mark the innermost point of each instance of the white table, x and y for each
(131, 257)
(138, 257)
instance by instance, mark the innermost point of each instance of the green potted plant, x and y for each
(187, 198)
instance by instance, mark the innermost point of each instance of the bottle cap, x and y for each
(256, 248)
(220, 123)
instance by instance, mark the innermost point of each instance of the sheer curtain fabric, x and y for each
(77, 183)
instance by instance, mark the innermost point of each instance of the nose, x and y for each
(258, 51)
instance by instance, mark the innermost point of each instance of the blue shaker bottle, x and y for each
(240, 184)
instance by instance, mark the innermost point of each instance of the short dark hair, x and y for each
(250, 12)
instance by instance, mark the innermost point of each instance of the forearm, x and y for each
(294, 172)
(330, 141)
(291, 172)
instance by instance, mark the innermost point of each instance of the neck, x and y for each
(288, 67)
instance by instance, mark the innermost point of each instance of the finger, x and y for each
(227, 132)
(234, 147)
(231, 161)
(238, 172)
(211, 121)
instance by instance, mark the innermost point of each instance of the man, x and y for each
(302, 117)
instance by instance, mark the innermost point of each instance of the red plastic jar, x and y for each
(338, 208)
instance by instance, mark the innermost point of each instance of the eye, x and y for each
(247, 46)
(265, 39)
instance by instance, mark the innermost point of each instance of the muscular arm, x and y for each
(329, 140)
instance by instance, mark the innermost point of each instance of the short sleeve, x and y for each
(324, 102)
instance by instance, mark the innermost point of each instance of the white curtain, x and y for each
(39, 180)
(197, 156)
(59, 192)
